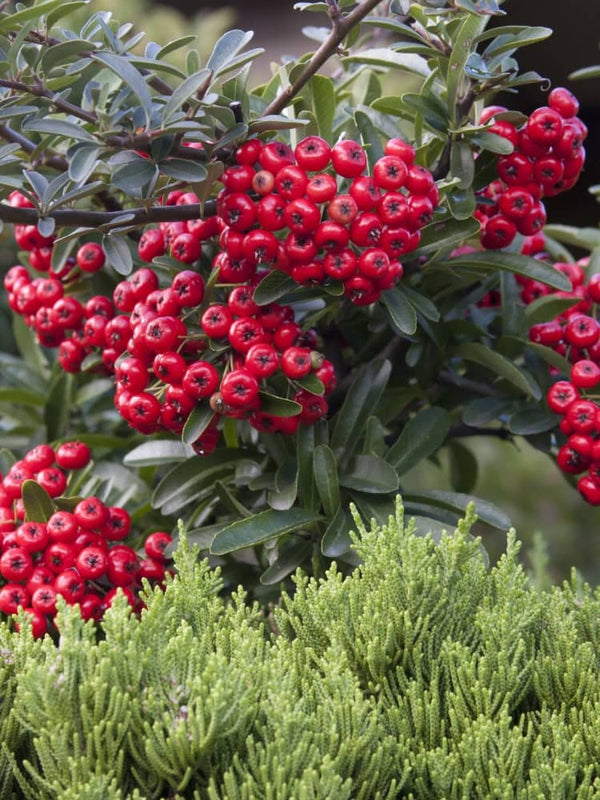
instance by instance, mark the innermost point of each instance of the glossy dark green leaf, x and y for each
(38, 503)
(458, 502)
(370, 137)
(360, 400)
(312, 384)
(261, 528)
(547, 307)
(422, 435)
(463, 45)
(274, 122)
(283, 496)
(550, 356)
(305, 445)
(492, 142)
(486, 409)
(529, 421)
(513, 262)
(449, 233)
(25, 397)
(273, 286)
(230, 501)
(336, 539)
(326, 479)
(371, 474)
(278, 406)
(423, 305)
(197, 422)
(462, 163)
(58, 406)
(402, 314)
(323, 104)
(290, 556)
(512, 310)
(433, 112)
(184, 482)
(379, 507)
(462, 204)
(578, 237)
(500, 365)
(463, 467)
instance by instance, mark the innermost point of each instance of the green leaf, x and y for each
(160, 451)
(578, 237)
(383, 57)
(286, 486)
(59, 127)
(446, 234)
(501, 366)
(463, 467)
(123, 68)
(530, 421)
(176, 44)
(273, 286)
(25, 397)
(229, 501)
(550, 356)
(370, 137)
(61, 53)
(311, 384)
(34, 12)
(183, 170)
(278, 406)
(323, 104)
(463, 45)
(118, 253)
(509, 37)
(336, 539)
(184, 92)
(197, 422)
(28, 346)
(423, 305)
(492, 142)
(184, 482)
(458, 502)
(371, 474)
(260, 528)
(422, 435)
(38, 503)
(547, 307)
(274, 122)
(360, 400)
(58, 405)
(226, 48)
(290, 557)
(585, 72)
(486, 409)
(306, 437)
(512, 308)
(432, 111)
(326, 479)
(513, 262)
(402, 315)
(462, 163)
(133, 176)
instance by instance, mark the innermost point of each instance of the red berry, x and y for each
(239, 388)
(90, 513)
(155, 545)
(348, 158)
(200, 380)
(313, 153)
(90, 257)
(585, 374)
(73, 455)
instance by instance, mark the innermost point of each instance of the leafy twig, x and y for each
(341, 25)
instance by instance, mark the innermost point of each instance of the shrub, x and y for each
(424, 674)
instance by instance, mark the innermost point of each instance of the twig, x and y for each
(340, 26)
(452, 379)
(461, 430)
(75, 218)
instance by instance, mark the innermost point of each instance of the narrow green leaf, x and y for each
(463, 467)
(275, 285)
(284, 495)
(336, 539)
(486, 409)
(548, 307)
(462, 163)
(550, 356)
(458, 502)
(370, 137)
(185, 91)
(25, 397)
(278, 406)
(34, 12)
(38, 503)
(578, 237)
(28, 346)
(182, 170)
(323, 104)
(510, 37)
(58, 405)
(125, 70)
(326, 479)
(501, 366)
(62, 53)
(463, 45)
(492, 142)
(160, 451)
(360, 400)
(514, 262)
(260, 528)
(274, 122)
(290, 557)
(530, 421)
(311, 384)
(118, 253)
(449, 233)
(422, 435)
(176, 44)
(229, 501)
(226, 48)
(383, 57)
(197, 422)
(420, 303)
(585, 72)
(401, 312)
(59, 127)
(371, 474)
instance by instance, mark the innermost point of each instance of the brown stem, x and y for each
(75, 218)
(39, 90)
(341, 25)
(461, 430)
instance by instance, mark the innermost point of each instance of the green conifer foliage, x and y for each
(423, 675)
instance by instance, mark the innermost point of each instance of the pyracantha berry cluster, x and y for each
(77, 553)
(547, 159)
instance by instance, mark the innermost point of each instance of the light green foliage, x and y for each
(424, 674)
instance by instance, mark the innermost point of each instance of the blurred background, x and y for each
(522, 481)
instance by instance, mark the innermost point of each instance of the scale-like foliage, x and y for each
(424, 674)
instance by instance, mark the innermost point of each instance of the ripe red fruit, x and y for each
(400, 149)
(186, 247)
(585, 374)
(545, 125)
(91, 563)
(151, 245)
(262, 360)
(313, 153)
(12, 597)
(348, 158)
(73, 455)
(70, 585)
(90, 513)
(90, 257)
(561, 100)
(16, 564)
(239, 388)
(390, 172)
(200, 380)
(32, 536)
(155, 545)
(296, 362)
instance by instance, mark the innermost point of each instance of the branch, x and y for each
(460, 430)
(452, 379)
(75, 218)
(340, 27)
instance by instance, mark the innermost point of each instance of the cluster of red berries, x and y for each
(171, 352)
(77, 554)
(547, 159)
